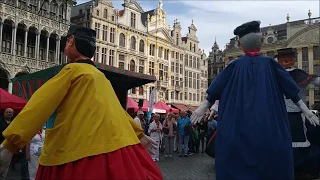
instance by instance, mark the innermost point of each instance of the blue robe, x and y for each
(253, 139)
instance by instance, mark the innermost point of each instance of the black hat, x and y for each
(246, 28)
(80, 33)
(286, 52)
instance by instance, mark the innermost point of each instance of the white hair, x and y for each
(251, 41)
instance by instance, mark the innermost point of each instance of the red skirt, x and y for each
(131, 162)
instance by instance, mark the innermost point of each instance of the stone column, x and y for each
(47, 49)
(311, 86)
(14, 37)
(10, 85)
(25, 43)
(57, 50)
(37, 45)
(299, 57)
(1, 29)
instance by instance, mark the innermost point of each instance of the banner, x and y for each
(152, 97)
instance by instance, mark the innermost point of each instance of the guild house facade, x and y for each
(142, 41)
(30, 32)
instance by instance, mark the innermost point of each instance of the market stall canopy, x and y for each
(8, 100)
(145, 106)
(164, 106)
(122, 80)
(181, 107)
(132, 106)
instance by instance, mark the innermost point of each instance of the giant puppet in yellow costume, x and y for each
(89, 135)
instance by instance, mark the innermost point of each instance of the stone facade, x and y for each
(30, 32)
(215, 62)
(302, 35)
(142, 41)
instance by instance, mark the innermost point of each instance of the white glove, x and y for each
(312, 118)
(214, 108)
(199, 112)
(5, 159)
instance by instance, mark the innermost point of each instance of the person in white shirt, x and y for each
(33, 152)
(155, 131)
(139, 117)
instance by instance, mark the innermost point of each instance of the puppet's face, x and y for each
(286, 61)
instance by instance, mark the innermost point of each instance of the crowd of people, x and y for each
(175, 133)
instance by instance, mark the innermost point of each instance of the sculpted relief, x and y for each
(307, 38)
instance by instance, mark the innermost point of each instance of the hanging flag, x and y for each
(151, 102)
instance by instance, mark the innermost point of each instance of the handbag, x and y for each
(211, 146)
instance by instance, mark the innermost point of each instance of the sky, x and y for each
(217, 19)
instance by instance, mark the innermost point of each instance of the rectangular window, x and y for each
(104, 33)
(96, 58)
(141, 66)
(111, 57)
(104, 55)
(97, 28)
(112, 30)
(121, 61)
(133, 20)
(151, 68)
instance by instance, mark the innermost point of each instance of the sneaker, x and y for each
(157, 159)
(170, 156)
(180, 155)
(165, 156)
(190, 153)
(185, 155)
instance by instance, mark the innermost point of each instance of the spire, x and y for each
(192, 21)
(160, 4)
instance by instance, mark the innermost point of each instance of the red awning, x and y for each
(193, 108)
(8, 100)
(182, 107)
(164, 106)
(145, 106)
(132, 105)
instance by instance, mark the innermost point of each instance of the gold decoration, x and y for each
(127, 33)
(310, 48)
(157, 45)
(118, 30)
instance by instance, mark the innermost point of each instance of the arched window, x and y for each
(133, 43)
(105, 13)
(141, 46)
(122, 40)
(132, 66)
(98, 13)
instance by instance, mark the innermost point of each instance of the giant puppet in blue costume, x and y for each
(306, 153)
(253, 139)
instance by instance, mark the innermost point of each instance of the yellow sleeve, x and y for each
(38, 110)
(137, 129)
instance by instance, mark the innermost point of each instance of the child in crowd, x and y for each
(196, 139)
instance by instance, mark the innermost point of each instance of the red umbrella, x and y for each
(8, 100)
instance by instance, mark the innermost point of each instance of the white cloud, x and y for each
(219, 18)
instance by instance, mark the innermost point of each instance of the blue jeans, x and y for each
(183, 144)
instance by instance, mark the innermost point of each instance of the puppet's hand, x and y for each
(211, 114)
(149, 144)
(199, 112)
(5, 159)
(312, 118)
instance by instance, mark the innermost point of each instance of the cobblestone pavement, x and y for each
(195, 167)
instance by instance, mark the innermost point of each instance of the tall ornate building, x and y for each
(142, 41)
(302, 35)
(30, 32)
(215, 62)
